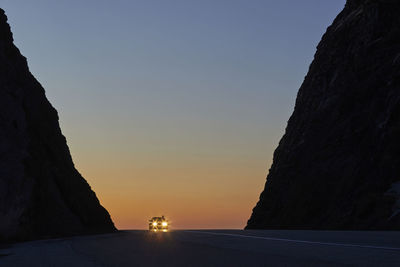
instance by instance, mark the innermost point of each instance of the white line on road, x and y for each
(296, 241)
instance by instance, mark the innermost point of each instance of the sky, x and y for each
(172, 107)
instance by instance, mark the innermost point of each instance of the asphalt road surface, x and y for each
(211, 248)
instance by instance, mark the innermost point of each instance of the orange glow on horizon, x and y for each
(207, 194)
(205, 180)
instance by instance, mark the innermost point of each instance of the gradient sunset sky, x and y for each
(172, 107)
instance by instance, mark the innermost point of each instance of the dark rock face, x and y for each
(338, 164)
(41, 193)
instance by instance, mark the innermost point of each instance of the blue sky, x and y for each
(166, 84)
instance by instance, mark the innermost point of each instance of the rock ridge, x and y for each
(41, 193)
(338, 164)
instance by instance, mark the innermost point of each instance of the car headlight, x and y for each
(154, 223)
(164, 223)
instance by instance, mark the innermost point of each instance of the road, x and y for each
(211, 248)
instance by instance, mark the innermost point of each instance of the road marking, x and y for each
(296, 241)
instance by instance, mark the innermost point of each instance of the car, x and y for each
(158, 224)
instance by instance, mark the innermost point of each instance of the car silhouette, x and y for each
(158, 224)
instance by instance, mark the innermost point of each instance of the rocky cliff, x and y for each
(41, 193)
(338, 164)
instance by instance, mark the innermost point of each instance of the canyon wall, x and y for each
(41, 193)
(338, 164)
